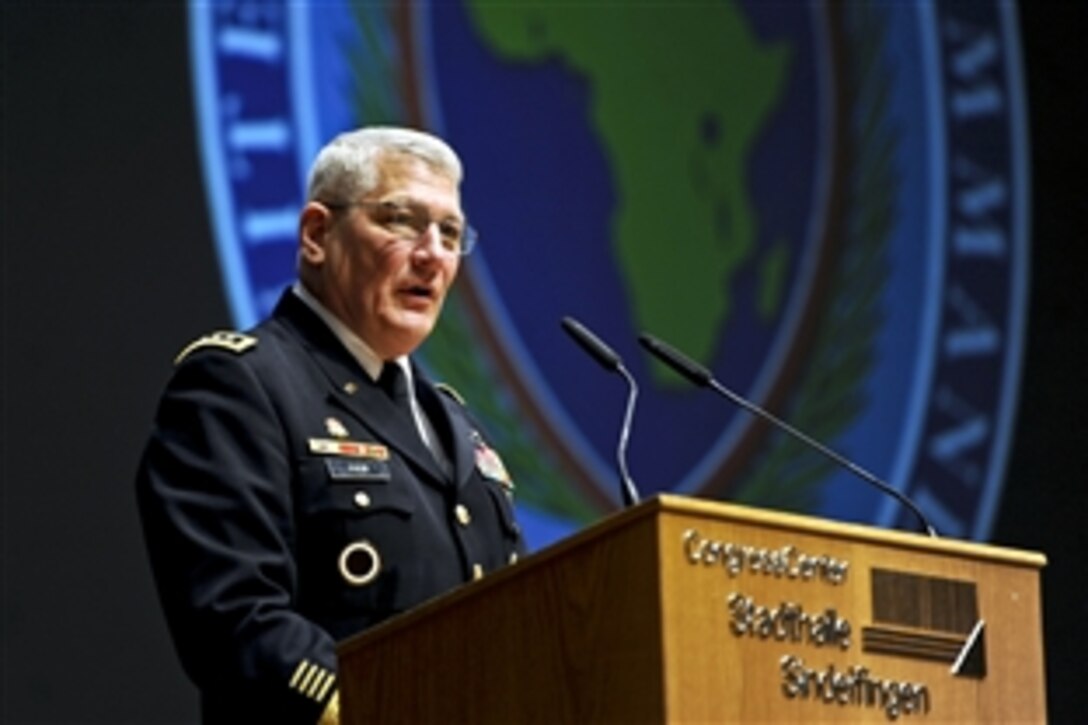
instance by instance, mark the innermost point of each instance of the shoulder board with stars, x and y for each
(235, 342)
(451, 392)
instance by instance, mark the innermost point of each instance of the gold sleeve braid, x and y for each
(318, 683)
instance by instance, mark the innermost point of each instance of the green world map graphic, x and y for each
(677, 121)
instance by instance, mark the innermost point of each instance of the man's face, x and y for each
(386, 288)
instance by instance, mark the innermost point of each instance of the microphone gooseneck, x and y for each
(701, 377)
(610, 361)
(630, 493)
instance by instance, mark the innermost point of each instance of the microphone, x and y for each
(701, 377)
(592, 344)
(611, 362)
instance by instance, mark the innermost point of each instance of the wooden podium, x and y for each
(687, 611)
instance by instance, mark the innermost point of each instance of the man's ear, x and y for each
(315, 224)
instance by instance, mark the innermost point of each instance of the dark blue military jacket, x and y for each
(287, 504)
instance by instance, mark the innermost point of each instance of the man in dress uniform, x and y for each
(304, 480)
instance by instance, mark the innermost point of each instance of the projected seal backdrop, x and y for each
(824, 203)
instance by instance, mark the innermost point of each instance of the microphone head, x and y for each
(678, 361)
(589, 342)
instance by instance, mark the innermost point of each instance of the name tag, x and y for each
(355, 469)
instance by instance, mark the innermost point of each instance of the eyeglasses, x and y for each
(411, 221)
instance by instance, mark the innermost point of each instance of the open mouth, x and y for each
(419, 292)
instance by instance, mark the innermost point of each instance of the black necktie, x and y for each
(395, 384)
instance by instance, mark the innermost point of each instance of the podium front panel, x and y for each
(800, 620)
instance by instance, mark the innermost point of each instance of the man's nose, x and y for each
(430, 241)
(428, 246)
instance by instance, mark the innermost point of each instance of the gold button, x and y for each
(477, 572)
(362, 499)
(463, 515)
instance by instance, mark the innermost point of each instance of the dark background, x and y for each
(108, 267)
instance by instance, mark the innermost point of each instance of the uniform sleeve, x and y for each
(215, 497)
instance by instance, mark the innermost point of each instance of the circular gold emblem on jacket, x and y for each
(360, 563)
